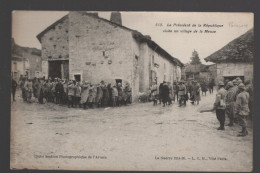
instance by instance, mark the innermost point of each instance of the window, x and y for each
(15, 66)
(164, 66)
(153, 59)
(77, 77)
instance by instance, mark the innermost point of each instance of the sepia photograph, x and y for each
(132, 91)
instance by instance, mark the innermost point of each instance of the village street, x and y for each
(139, 136)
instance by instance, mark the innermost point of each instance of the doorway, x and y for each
(59, 69)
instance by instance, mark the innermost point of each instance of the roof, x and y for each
(240, 49)
(137, 35)
(19, 50)
(196, 68)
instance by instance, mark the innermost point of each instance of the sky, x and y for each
(26, 25)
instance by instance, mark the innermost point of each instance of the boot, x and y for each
(230, 124)
(221, 128)
(244, 132)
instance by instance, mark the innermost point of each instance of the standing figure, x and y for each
(106, 96)
(77, 94)
(40, 91)
(22, 83)
(219, 105)
(160, 92)
(59, 91)
(250, 91)
(99, 95)
(71, 93)
(170, 97)
(230, 102)
(65, 92)
(91, 97)
(14, 86)
(242, 109)
(29, 90)
(84, 94)
(110, 88)
(204, 87)
(211, 86)
(175, 91)
(165, 93)
(182, 91)
(120, 94)
(114, 96)
(196, 92)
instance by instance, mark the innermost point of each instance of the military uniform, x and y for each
(230, 102)
(242, 109)
(182, 94)
(219, 106)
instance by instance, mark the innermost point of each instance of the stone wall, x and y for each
(98, 50)
(55, 42)
(55, 45)
(234, 69)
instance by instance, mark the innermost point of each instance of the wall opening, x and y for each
(77, 77)
(118, 81)
(230, 78)
(59, 69)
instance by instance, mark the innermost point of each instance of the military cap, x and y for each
(230, 84)
(241, 86)
(221, 83)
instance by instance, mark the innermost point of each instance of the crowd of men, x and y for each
(181, 91)
(72, 93)
(234, 99)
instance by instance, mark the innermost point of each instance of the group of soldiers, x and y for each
(234, 99)
(181, 91)
(75, 94)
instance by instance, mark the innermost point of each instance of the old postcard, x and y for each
(143, 91)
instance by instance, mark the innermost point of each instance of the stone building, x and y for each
(83, 46)
(25, 61)
(236, 59)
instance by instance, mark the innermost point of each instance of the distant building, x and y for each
(236, 59)
(83, 46)
(25, 61)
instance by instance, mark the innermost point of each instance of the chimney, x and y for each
(116, 18)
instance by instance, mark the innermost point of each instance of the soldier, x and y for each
(250, 91)
(120, 94)
(99, 95)
(165, 93)
(230, 101)
(219, 105)
(77, 95)
(196, 92)
(14, 85)
(29, 89)
(71, 92)
(114, 95)
(242, 110)
(182, 93)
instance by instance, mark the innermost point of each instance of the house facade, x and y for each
(83, 46)
(236, 59)
(25, 62)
